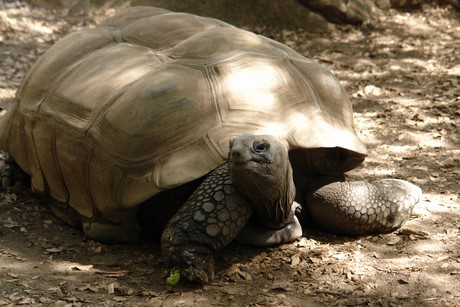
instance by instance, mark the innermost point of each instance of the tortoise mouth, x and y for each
(237, 158)
(251, 165)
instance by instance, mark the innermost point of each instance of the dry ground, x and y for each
(403, 74)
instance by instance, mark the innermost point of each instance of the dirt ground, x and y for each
(403, 74)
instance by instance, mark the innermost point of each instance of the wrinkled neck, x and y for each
(272, 195)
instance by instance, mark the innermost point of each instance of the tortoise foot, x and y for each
(95, 228)
(13, 176)
(257, 235)
(195, 262)
(209, 220)
(358, 208)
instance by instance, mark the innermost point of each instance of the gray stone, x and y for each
(345, 11)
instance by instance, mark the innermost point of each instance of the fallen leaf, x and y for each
(235, 270)
(231, 270)
(394, 241)
(340, 256)
(302, 242)
(442, 258)
(95, 247)
(9, 223)
(82, 267)
(314, 260)
(119, 299)
(111, 288)
(150, 293)
(230, 291)
(27, 301)
(13, 275)
(295, 259)
(130, 291)
(444, 265)
(54, 250)
(245, 275)
(89, 287)
(279, 289)
(44, 300)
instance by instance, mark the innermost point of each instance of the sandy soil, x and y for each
(403, 74)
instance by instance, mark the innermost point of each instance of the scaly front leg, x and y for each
(209, 220)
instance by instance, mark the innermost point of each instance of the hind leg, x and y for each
(13, 176)
(98, 228)
(358, 208)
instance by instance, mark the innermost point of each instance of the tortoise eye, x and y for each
(260, 147)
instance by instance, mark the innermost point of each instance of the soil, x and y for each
(403, 74)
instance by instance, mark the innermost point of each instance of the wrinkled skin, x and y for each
(260, 169)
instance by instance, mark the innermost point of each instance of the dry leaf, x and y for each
(27, 301)
(89, 287)
(235, 270)
(302, 242)
(119, 299)
(54, 250)
(82, 267)
(230, 291)
(231, 270)
(44, 300)
(442, 258)
(150, 293)
(111, 287)
(95, 247)
(394, 241)
(295, 259)
(245, 275)
(130, 291)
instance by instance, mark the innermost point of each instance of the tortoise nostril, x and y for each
(236, 154)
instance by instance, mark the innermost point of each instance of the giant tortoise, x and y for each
(127, 128)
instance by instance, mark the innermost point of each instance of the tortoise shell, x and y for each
(147, 101)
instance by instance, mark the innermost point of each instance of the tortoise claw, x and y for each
(200, 268)
(196, 265)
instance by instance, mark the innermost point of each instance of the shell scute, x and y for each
(46, 72)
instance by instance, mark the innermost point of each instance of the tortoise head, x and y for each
(260, 169)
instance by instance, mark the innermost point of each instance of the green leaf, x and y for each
(174, 277)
